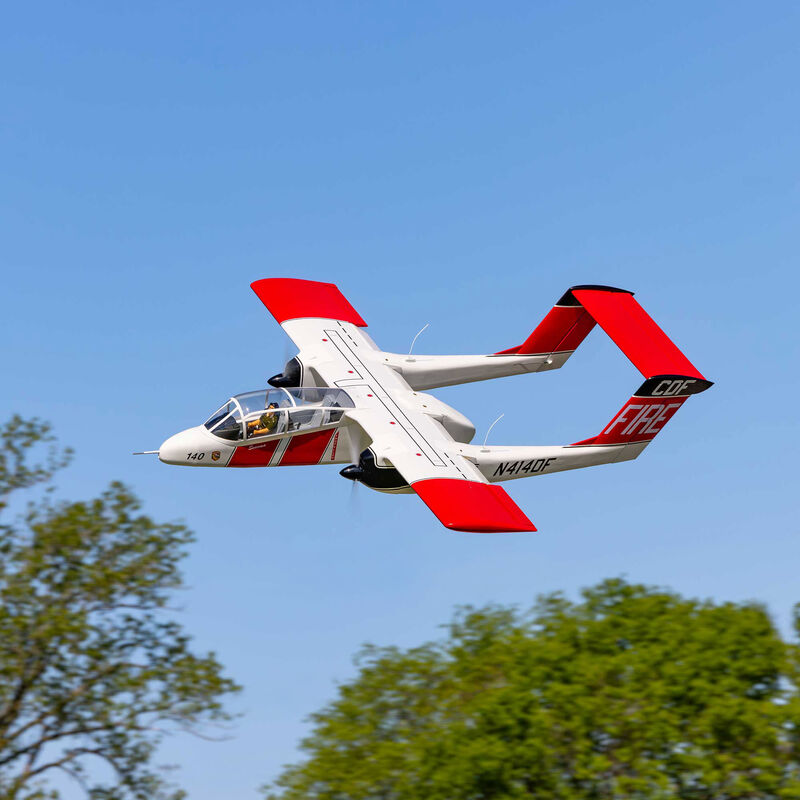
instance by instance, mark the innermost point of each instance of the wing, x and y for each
(427, 457)
(305, 309)
(319, 319)
(329, 333)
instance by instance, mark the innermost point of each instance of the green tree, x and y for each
(634, 692)
(91, 667)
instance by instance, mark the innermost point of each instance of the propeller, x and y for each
(354, 501)
(353, 471)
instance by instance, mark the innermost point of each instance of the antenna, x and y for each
(414, 340)
(486, 438)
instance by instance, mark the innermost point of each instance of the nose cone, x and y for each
(352, 473)
(186, 447)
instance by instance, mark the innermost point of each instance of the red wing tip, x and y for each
(473, 507)
(295, 298)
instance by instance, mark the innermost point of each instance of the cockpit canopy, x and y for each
(273, 412)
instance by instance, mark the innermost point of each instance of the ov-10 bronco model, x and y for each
(342, 400)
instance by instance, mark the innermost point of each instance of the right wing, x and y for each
(451, 486)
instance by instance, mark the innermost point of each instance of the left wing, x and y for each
(293, 298)
(323, 324)
(305, 309)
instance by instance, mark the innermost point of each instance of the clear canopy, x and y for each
(272, 412)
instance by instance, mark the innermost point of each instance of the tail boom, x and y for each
(630, 430)
(555, 339)
(432, 372)
(509, 463)
(566, 325)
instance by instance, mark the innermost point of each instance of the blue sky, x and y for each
(454, 163)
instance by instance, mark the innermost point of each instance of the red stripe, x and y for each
(472, 506)
(291, 298)
(635, 333)
(306, 448)
(254, 455)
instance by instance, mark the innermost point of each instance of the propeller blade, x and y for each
(353, 502)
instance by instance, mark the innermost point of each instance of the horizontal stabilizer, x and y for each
(471, 506)
(632, 329)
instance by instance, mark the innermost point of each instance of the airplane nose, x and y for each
(178, 449)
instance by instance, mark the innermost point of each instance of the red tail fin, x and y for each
(621, 317)
(649, 410)
(566, 325)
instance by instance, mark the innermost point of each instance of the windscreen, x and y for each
(226, 422)
(219, 415)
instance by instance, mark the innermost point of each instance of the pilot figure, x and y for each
(266, 423)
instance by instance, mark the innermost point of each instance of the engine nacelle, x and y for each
(382, 479)
(292, 375)
(453, 421)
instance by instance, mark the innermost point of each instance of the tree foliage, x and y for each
(91, 667)
(634, 692)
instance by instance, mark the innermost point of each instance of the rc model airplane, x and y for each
(342, 400)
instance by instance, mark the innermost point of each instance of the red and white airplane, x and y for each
(342, 400)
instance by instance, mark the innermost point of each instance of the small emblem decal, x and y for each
(215, 455)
